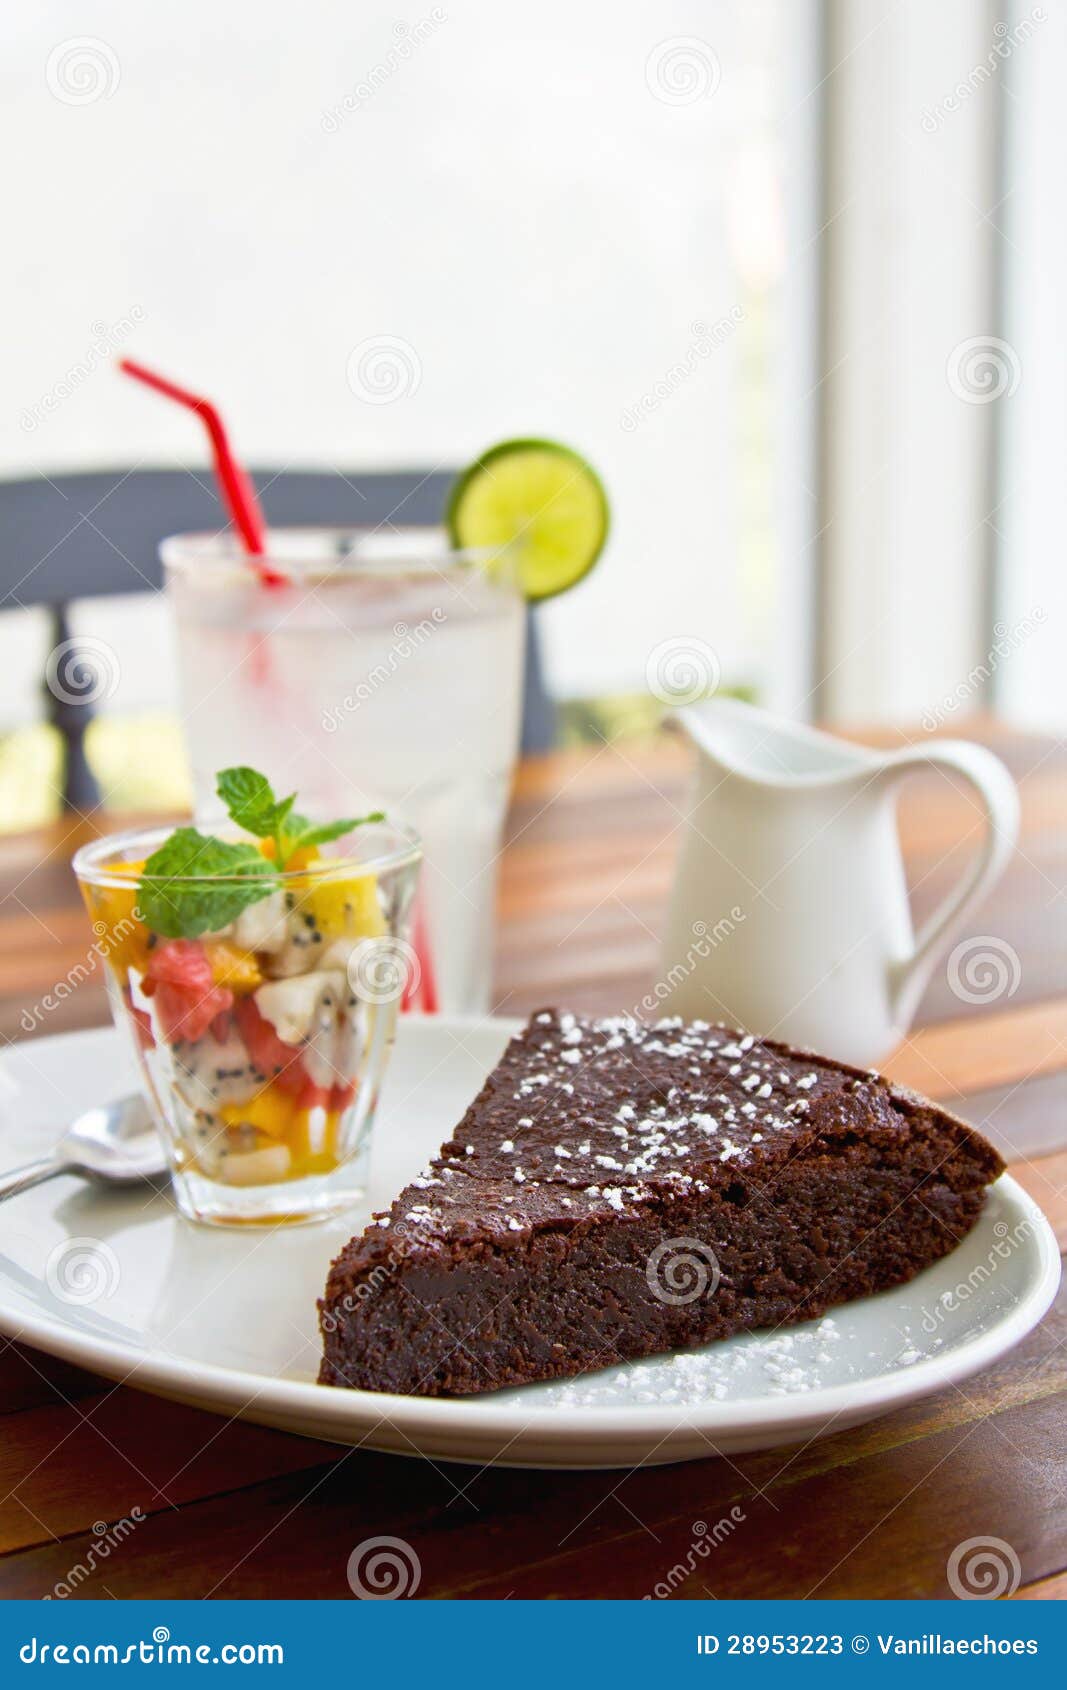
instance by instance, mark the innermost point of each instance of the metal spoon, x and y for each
(116, 1142)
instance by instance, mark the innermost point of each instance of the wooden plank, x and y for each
(989, 1457)
(87, 1007)
(139, 1450)
(1023, 1121)
(955, 1058)
(1046, 1590)
(1023, 912)
(29, 1378)
(1045, 1179)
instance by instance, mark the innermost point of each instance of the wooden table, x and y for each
(238, 1511)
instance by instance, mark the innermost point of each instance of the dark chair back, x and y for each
(92, 535)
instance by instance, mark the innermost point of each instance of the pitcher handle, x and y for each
(1000, 802)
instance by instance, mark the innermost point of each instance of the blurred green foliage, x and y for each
(140, 763)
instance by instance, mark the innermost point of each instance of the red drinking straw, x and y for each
(237, 489)
(426, 985)
(240, 497)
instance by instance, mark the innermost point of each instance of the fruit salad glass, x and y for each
(262, 1044)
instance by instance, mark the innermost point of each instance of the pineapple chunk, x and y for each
(346, 907)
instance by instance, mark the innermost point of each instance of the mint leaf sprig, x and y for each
(249, 798)
(195, 883)
(177, 903)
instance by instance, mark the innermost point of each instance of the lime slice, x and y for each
(537, 503)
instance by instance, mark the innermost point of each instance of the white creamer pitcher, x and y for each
(790, 912)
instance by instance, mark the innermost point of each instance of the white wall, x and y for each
(1028, 645)
(910, 311)
(538, 203)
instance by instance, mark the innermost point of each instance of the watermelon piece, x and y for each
(271, 1055)
(181, 984)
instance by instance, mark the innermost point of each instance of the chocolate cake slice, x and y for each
(618, 1189)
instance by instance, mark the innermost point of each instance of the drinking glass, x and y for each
(384, 672)
(262, 1043)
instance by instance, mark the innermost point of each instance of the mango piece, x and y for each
(270, 1112)
(119, 932)
(300, 858)
(232, 967)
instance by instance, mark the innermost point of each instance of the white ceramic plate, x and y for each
(226, 1320)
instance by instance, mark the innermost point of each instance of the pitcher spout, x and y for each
(738, 739)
